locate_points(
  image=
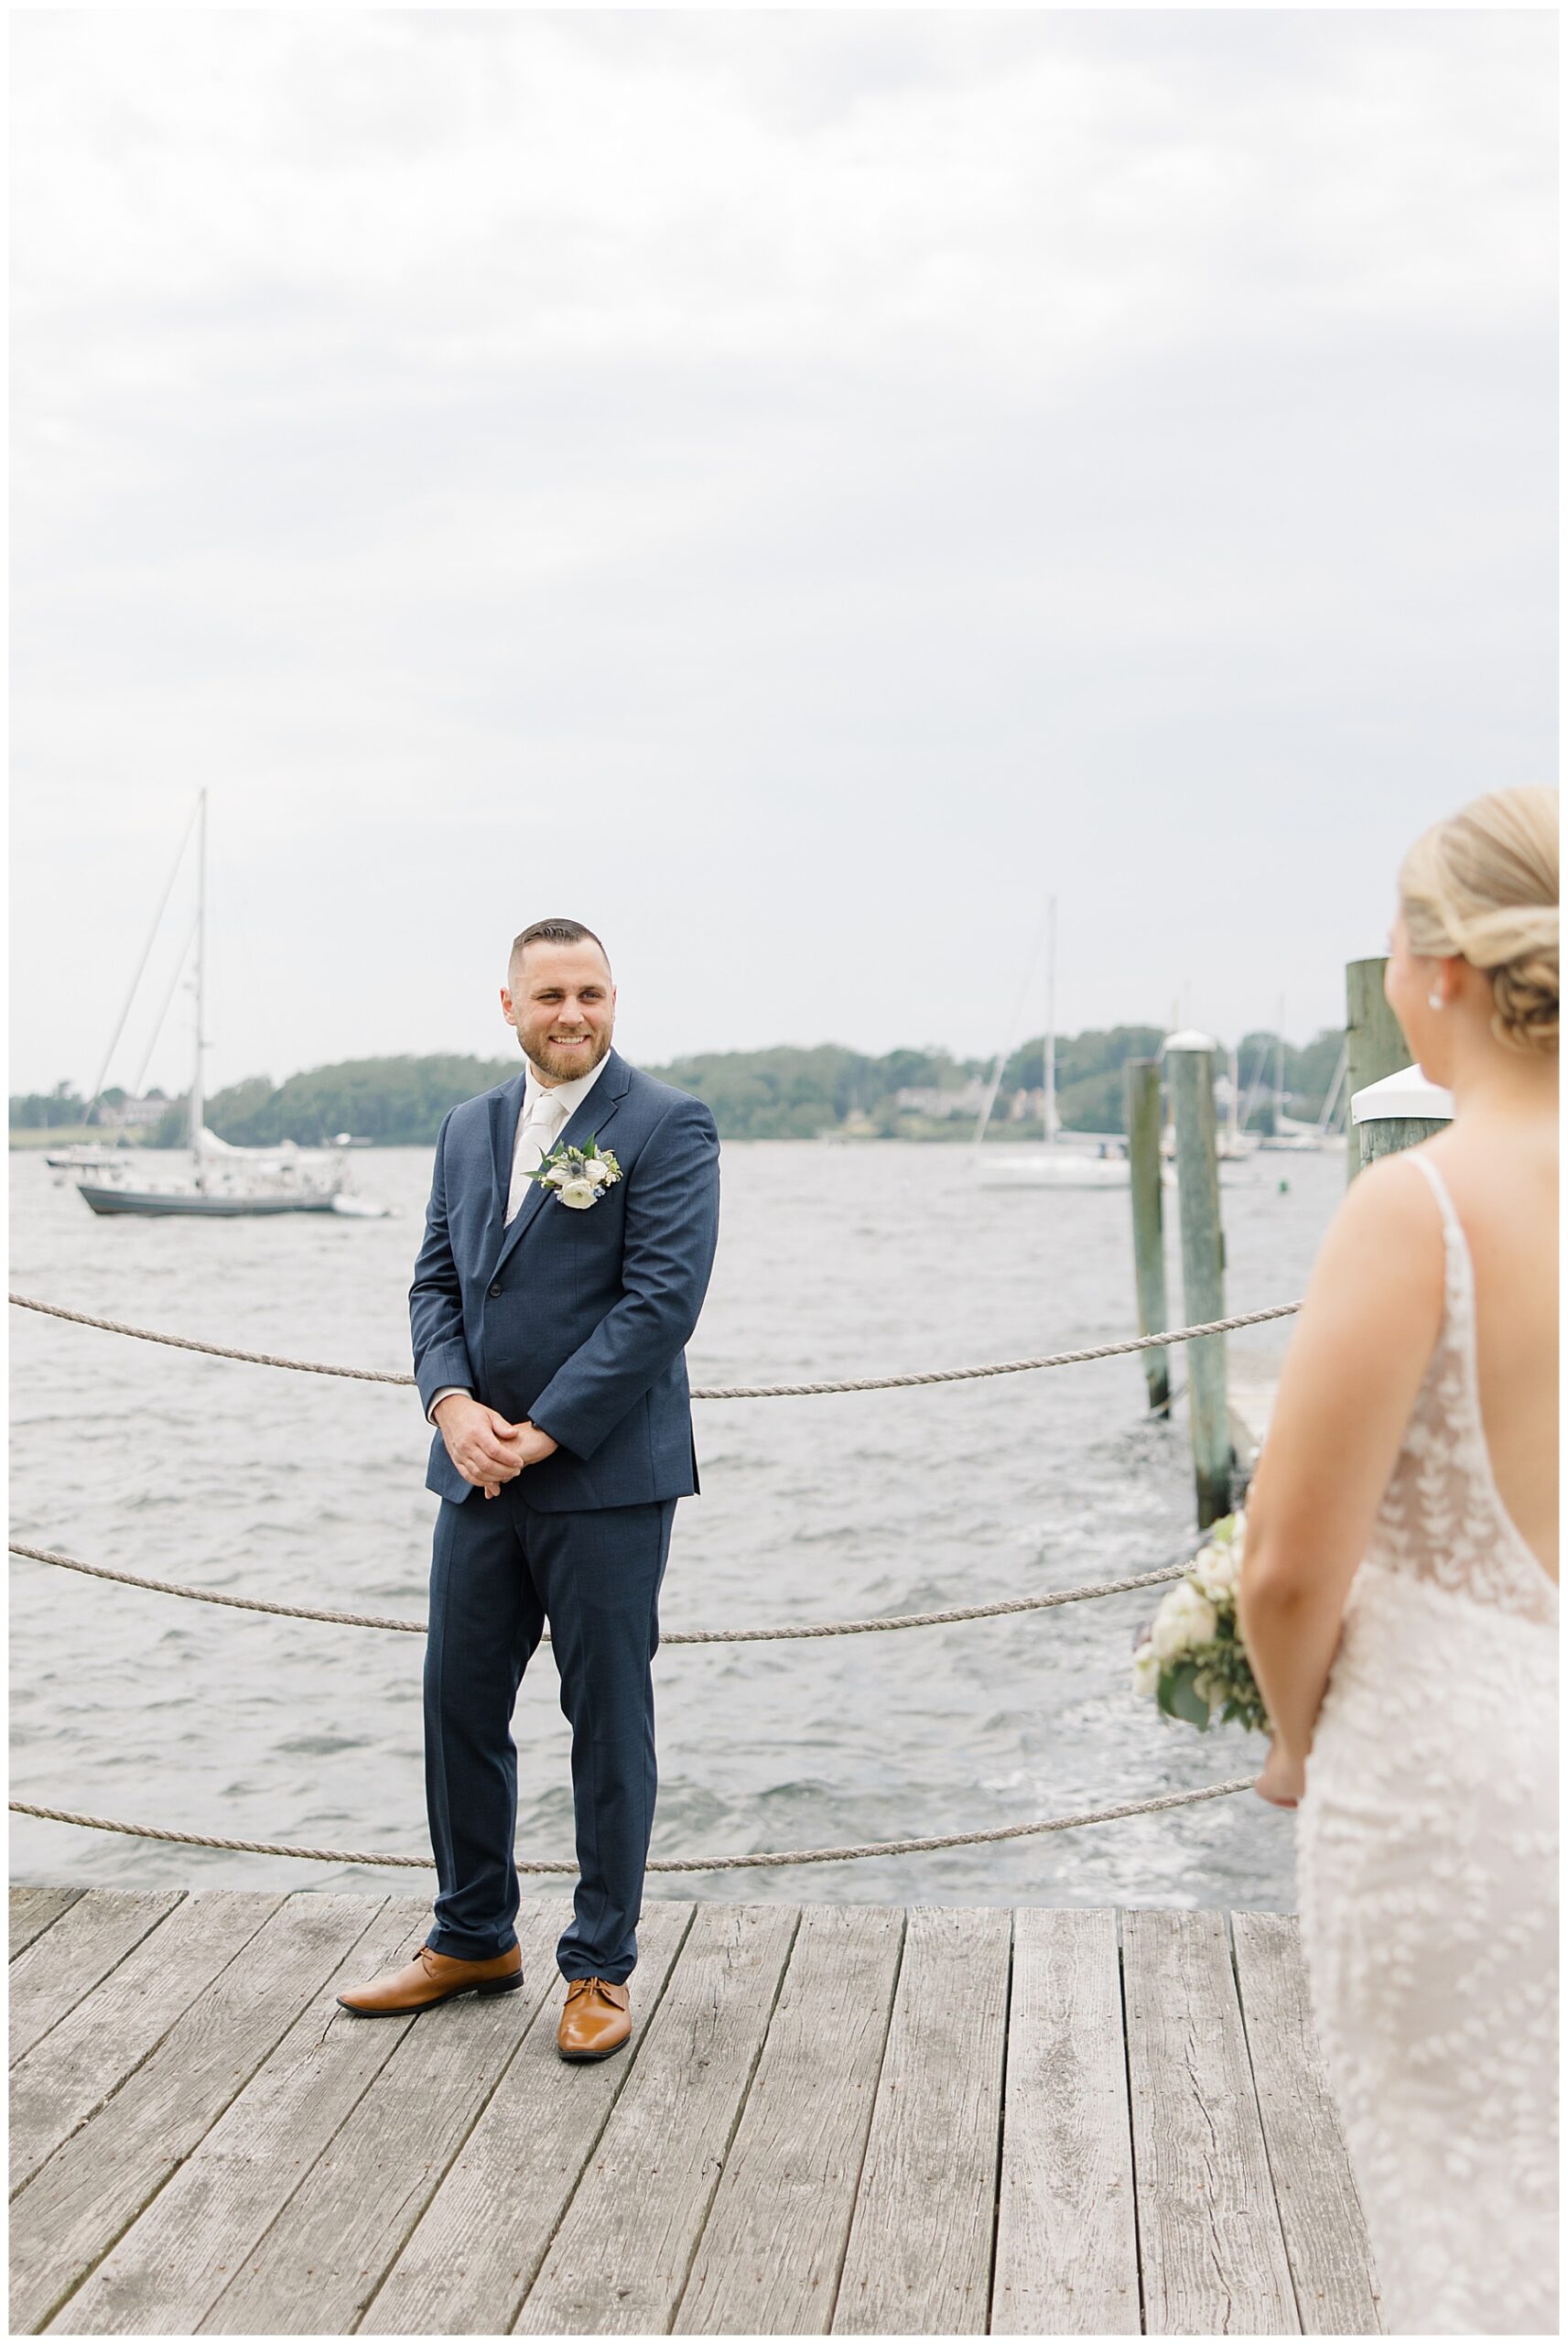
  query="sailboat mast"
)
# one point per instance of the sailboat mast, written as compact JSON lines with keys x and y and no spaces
{"x":197,"y":1091}
{"x":1235,"y":1102}
{"x":1279,"y":1069}
{"x":1050,"y":1108}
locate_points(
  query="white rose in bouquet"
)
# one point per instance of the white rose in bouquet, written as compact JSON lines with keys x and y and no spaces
{"x":1217,"y":1571}
{"x":1146,"y":1672}
{"x":578,"y":1193}
{"x":1184,"y":1620}
{"x":1217,"y":1567}
{"x":597,"y":1170}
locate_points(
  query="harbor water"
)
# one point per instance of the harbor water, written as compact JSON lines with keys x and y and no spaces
{"x":833,"y":1262}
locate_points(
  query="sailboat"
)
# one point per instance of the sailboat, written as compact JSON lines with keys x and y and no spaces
{"x":1289,"y":1135}
{"x":1053,"y":1166}
{"x":210,"y":1179}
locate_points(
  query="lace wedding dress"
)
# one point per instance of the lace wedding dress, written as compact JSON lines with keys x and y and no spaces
{"x":1427,"y":1872}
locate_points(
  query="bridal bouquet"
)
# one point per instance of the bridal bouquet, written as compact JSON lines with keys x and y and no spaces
{"x":1190,"y":1657}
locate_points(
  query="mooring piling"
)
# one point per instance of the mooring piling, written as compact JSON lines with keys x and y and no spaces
{"x":1189,"y":1059}
{"x":1397,"y":1113}
{"x":1374,"y":1045}
{"x":1142,"y":1078}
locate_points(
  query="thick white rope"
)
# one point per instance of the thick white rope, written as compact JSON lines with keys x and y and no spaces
{"x":675,"y":1636}
{"x":666,"y":1863}
{"x":700,"y":1392}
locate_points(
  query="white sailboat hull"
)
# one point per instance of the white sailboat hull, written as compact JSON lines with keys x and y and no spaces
{"x":161,"y":1203}
{"x":1067,"y":1169}
{"x":1057,"y":1169}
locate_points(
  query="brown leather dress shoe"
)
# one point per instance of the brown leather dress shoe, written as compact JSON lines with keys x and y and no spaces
{"x":596,"y":2021}
{"x":432,"y":1977}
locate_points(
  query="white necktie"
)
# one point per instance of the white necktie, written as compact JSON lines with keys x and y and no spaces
{"x":536,"y":1137}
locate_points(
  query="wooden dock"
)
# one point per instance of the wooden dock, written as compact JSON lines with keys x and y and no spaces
{"x":843,"y":2120}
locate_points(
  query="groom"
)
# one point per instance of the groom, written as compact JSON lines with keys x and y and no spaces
{"x":549,"y":1329}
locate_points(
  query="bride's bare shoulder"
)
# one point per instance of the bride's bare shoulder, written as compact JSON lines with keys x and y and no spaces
{"x":1381,"y":1266}
{"x":1385,"y":1244}
{"x":1392,"y":1200}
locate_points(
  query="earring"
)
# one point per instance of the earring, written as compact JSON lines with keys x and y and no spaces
{"x":1434,"y":1001}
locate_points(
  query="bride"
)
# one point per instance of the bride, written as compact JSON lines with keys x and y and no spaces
{"x":1399,"y":1600}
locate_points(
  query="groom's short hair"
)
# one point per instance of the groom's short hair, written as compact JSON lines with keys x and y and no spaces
{"x":552,"y":932}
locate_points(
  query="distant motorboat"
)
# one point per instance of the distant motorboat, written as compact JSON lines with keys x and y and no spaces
{"x":86,"y":1156}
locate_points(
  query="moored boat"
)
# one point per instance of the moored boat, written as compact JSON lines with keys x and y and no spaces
{"x":210,"y":1180}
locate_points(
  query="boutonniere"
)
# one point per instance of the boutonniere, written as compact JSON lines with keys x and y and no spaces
{"x":580,"y":1176}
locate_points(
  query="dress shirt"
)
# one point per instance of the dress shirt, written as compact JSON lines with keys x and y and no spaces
{"x":536,"y":1133}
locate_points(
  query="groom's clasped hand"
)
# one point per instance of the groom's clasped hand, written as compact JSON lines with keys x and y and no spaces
{"x":485,"y":1448}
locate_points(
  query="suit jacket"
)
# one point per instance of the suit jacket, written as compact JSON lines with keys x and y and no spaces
{"x":576,"y":1319}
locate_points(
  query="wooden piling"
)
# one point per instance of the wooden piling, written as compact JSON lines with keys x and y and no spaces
{"x":1390,"y":1135}
{"x":1401,"y":1111}
{"x":1189,"y":1060}
{"x":1142,"y":1078}
{"x":1375,"y":1044}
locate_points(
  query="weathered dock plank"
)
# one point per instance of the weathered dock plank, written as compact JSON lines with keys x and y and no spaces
{"x":919,"y":2257}
{"x":98,"y":2180}
{"x":1319,"y":2213}
{"x":33,"y":1910}
{"x":91,"y":1938}
{"x":771,"y":2253}
{"x":80,"y":2062}
{"x":1213,"y":2256}
{"x":619,"y":2259}
{"x":472,"y":2258}
{"x":1066,"y":2249}
{"x":824,"y":2118}
{"x":170,"y":2267}
{"x":325,"y":2255}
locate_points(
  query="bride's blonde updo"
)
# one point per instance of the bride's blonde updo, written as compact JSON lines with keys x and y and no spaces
{"x":1484,"y":885}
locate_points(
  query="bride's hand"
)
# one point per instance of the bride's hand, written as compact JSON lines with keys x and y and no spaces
{"x":1283,"y":1778}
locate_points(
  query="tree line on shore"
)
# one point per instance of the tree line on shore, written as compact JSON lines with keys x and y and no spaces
{"x":779,"y":1094}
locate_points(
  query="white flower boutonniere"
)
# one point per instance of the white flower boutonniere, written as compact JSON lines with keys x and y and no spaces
{"x":580,"y":1176}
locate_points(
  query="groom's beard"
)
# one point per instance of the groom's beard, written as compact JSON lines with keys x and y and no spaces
{"x":565,"y":1066}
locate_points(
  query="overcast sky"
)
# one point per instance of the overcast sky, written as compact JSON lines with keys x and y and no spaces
{"x":791,"y":490}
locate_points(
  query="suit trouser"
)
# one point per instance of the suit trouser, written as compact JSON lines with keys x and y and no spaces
{"x":499,"y":1570}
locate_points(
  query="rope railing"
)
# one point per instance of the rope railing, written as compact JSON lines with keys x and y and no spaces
{"x":807,"y":1630}
{"x":759,"y":1862}
{"x":700,"y":1392}
{"x":762,"y":1863}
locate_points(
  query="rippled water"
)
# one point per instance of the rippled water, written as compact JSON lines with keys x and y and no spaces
{"x":833,"y":1261}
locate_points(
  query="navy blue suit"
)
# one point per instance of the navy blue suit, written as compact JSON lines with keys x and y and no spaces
{"x":577,"y":1320}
